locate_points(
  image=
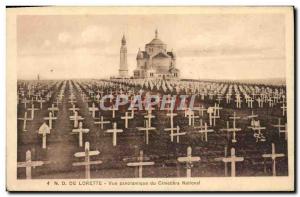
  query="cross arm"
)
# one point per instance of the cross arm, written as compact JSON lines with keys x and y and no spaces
{"x":141,"y":163}
{"x":91,"y":153}
{"x":84,"y":163}
{"x":31,"y":164}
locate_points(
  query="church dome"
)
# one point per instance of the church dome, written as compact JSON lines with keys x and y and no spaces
{"x":156,"y":41}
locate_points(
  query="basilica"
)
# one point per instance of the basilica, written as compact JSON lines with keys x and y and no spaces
{"x":154,"y":62}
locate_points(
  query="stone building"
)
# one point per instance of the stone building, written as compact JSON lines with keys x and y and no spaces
{"x":156,"y":61}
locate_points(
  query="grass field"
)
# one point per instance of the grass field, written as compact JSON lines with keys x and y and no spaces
{"x":61,"y":144}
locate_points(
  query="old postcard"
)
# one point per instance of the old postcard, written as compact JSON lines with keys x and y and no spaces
{"x":150,"y":99}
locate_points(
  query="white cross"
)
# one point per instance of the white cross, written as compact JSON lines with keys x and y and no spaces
{"x":232,"y":159}
{"x":234,"y":129}
{"x":234,"y":118}
{"x":273,"y":156}
{"x":126,"y":118}
{"x":172,"y":129}
{"x":217,"y":109}
{"x":32,"y":109}
{"x":50,"y":118}
{"x":53,"y":109}
{"x":177,"y":134}
{"x":149,"y":116}
{"x":25,"y":101}
{"x":219,"y":99}
{"x":190,"y":114}
{"x":80,"y":131}
{"x":238,"y":101}
{"x":252,"y":116}
{"x":250,"y":102}
{"x":140,"y":163}
{"x":28,"y":164}
{"x":279,"y":126}
{"x":225,"y":163}
{"x":189,"y":159}
{"x":74,"y":109}
{"x":271,"y":103}
{"x":86,"y":154}
{"x":171,"y":115}
{"x":76,"y":118}
{"x":102,"y":122}
{"x":205,"y":131}
{"x":93,"y":109}
{"x":146,"y":130}
{"x":228,"y":98}
{"x":132,"y":111}
{"x":25,"y":119}
{"x":285,"y":131}
{"x":216,"y":113}
{"x":44,"y":130}
{"x":201,"y":110}
{"x":260,"y":102}
{"x":210,"y":112}
{"x":284,"y":108}
{"x":41,"y":101}
{"x":114,"y":131}
{"x":113,"y":109}
{"x":193,"y":119}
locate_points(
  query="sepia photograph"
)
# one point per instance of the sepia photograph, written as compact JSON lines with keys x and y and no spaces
{"x":150,"y":99}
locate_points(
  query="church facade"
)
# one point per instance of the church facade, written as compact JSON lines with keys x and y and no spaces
{"x":156,"y":61}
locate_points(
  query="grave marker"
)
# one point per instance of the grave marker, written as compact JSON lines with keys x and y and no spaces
{"x":189,"y":159}
{"x":140,"y":163}
{"x":53,"y":109}
{"x":146,"y":130}
{"x":93,"y":109}
{"x":114,"y":130}
{"x":233,"y":159}
{"x":225,"y":163}
{"x":50,"y":118}
{"x":74,"y":109}
{"x":76,"y":119}
{"x":86,"y":154}
{"x":273,"y":156}
{"x":25,"y":119}
{"x":44,"y":130}
{"x":126,"y":118}
{"x":177,"y":134}
{"x":28,"y":164}
{"x":205,"y":131}
{"x":32,"y":109}
{"x":102,"y":122}
{"x":80,"y":132}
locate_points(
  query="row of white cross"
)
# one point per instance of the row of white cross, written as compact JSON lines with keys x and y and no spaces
{"x":188,"y":160}
{"x":203,"y":128}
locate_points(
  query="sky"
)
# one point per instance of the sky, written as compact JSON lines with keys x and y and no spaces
{"x":207,"y":46}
